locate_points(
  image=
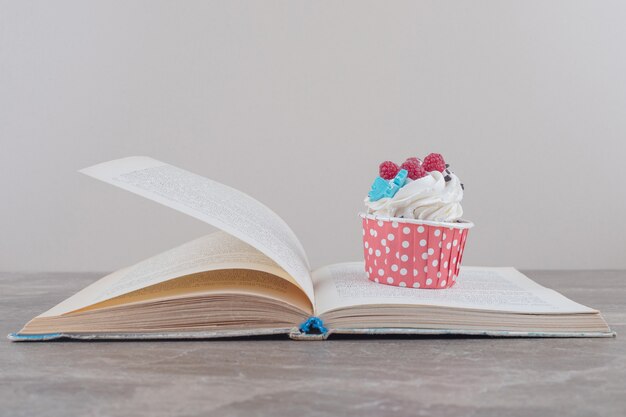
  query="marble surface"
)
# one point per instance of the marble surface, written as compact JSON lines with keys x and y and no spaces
{"x":390,"y":376}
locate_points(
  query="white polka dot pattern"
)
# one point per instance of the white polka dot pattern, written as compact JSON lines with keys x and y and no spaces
{"x":400,"y":251}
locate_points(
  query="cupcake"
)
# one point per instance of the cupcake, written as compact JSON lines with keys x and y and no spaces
{"x":413,"y":234}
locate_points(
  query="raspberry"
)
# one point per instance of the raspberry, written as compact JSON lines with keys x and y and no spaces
{"x":413,"y":158}
{"x":388,"y":170}
{"x":434,"y":162}
{"x":414,"y":167}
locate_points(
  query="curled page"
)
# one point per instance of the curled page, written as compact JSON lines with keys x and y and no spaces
{"x":214,"y":203}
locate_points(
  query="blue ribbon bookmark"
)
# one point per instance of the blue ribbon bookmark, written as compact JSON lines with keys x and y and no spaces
{"x":313,"y":323}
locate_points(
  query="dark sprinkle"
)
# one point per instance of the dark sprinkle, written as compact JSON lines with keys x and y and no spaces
{"x":447,"y":178}
{"x":447,"y":165}
{"x":462,"y":187}
{"x":448,"y":171}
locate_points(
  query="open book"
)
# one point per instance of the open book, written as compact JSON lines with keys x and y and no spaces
{"x":253,"y":278}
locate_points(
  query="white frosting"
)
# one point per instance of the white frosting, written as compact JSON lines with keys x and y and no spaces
{"x":427,"y":198}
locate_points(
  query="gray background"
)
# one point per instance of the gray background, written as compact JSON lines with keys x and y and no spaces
{"x":296,"y":103}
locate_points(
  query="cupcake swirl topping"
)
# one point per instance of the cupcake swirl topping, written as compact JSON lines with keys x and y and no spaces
{"x":430,"y":191}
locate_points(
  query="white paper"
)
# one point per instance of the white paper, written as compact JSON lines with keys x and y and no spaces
{"x":214,"y":203}
{"x":493,"y":289}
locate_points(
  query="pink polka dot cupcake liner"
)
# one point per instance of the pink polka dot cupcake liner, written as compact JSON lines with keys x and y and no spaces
{"x":413,"y":253}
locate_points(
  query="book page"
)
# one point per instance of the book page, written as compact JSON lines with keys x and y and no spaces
{"x":216,"y":251}
{"x":219,"y":282}
{"x":214,"y":203}
{"x":493,"y":289}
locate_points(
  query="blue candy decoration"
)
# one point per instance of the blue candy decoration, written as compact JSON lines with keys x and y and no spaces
{"x":400,"y":179}
{"x":378,"y":189}
{"x":382,"y":188}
